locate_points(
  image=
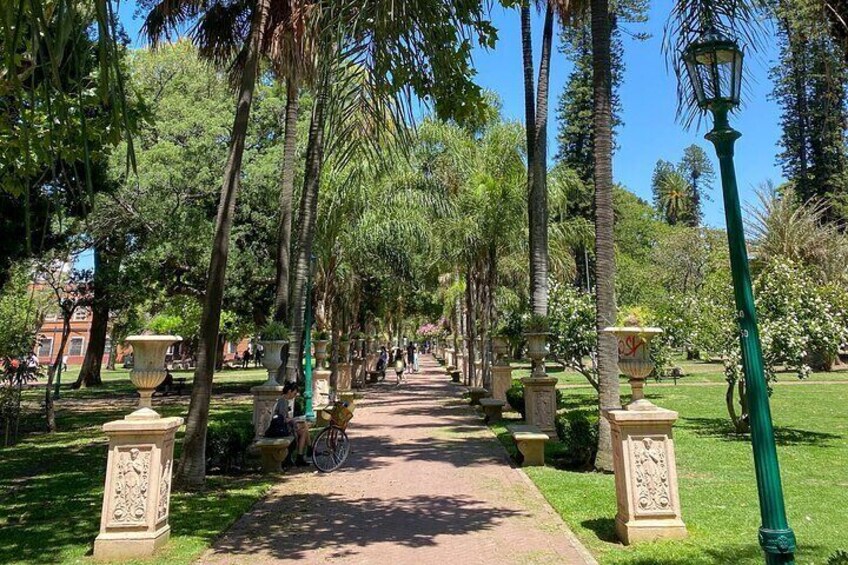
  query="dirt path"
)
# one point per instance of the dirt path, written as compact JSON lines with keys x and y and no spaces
{"x":425,"y":483}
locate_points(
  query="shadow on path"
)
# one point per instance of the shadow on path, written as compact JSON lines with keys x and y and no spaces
{"x":290,"y":526}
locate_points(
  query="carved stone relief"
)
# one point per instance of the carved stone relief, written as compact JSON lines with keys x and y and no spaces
{"x":164,"y":491}
{"x":650,"y":478}
{"x":131,"y":484}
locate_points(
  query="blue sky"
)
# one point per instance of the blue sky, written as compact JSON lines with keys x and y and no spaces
{"x":650,"y":131}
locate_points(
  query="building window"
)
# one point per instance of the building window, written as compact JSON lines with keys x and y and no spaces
{"x":108,"y":347}
{"x":75,"y":349}
{"x":80,"y":314}
{"x":51,"y":317}
{"x":232,"y":348}
{"x":45,"y":348}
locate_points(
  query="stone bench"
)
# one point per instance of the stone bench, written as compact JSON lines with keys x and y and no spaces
{"x":492,"y":409}
{"x":376,"y":376}
{"x":273,"y":451}
{"x":530,"y":441}
{"x":476,"y":393}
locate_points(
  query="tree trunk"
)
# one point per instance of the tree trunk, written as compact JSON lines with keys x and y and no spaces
{"x":284,"y":230}
{"x":306,"y":233}
{"x":470,"y":328}
{"x":539,"y":184}
{"x":56,"y":367}
{"x":113,"y":353}
{"x":89,"y":374}
{"x":191,"y":471}
{"x":604,"y":220}
{"x":530,"y":130}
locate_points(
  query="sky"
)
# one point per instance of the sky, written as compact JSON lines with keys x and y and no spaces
{"x":648,"y":97}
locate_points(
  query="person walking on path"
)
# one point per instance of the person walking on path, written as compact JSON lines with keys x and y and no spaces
{"x":410,"y":356}
{"x":399,"y":365}
{"x":415,"y":353}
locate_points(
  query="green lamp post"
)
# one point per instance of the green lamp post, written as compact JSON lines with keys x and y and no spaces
{"x":714,"y":65}
{"x":307,"y":344}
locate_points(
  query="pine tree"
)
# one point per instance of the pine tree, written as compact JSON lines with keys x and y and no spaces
{"x":810,"y":86}
{"x":699,"y":173}
{"x":574,"y":109}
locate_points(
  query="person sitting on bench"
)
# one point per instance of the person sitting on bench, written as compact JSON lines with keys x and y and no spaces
{"x":283,"y":422}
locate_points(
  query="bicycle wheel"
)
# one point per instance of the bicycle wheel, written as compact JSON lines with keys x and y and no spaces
{"x":330,"y":449}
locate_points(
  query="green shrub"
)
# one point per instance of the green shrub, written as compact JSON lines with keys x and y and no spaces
{"x":578,"y":431}
{"x":227,"y":440}
{"x":515,"y":397}
{"x":275,"y":331}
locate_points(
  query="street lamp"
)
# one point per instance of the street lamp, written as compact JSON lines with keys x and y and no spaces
{"x":714,"y":65}
{"x":307,"y":344}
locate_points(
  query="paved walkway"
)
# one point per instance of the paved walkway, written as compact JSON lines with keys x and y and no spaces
{"x":425,"y":482}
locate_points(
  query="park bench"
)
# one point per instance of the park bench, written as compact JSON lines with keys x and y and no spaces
{"x":273,"y":451}
{"x":476,"y":393}
{"x":530,"y":441}
{"x":675,"y":374}
{"x":376,"y":376}
{"x":492,"y":409}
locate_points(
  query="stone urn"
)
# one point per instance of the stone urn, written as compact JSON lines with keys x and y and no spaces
{"x":148,"y":370}
{"x":320,"y":352}
{"x":344,"y":350}
{"x":537,"y":350}
{"x":272,"y":359}
{"x":634,"y":359}
{"x":500,"y":347}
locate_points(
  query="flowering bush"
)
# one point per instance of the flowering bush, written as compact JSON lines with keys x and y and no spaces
{"x":429,"y":331}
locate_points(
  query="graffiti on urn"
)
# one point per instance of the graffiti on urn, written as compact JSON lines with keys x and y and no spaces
{"x":131,"y":487}
{"x":651,"y":476}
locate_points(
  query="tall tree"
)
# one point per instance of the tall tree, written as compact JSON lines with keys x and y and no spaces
{"x":608,"y":386}
{"x":191,"y":471}
{"x":699,"y":173}
{"x":536,"y":118}
{"x":575,"y":132}
{"x":810,"y":85}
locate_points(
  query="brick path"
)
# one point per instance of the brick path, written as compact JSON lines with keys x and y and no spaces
{"x":425,"y":482}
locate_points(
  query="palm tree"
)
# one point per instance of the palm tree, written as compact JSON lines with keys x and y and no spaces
{"x":292,"y":54}
{"x":191,"y":471}
{"x":674,"y":198}
{"x":608,"y":393}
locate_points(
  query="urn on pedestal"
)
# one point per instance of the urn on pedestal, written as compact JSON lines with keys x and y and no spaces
{"x":643,"y":450}
{"x":539,"y":389}
{"x":148,"y":370}
{"x":137,"y":494}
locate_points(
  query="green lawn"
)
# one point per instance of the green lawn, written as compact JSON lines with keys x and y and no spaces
{"x":716,"y":478}
{"x":696,"y":372}
{"x":51,"y":485}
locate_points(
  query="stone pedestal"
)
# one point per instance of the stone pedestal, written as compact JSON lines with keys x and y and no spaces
{"x":449,"y":357}
{"x":540,"y":402}
{"x":265,"y":396}
{"x":134,"y":518}
{"x":343,"y":379}
{"x":460,"y":364}
{"x":357,"y":379}
{"x":501,"y":381}
{"x":320,"y":387}
{"x":645,"y":474}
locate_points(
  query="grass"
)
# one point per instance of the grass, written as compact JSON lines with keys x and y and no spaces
{"x":716,"y":479}
{"x":696,"y":372}
{"x":51,"y":485}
